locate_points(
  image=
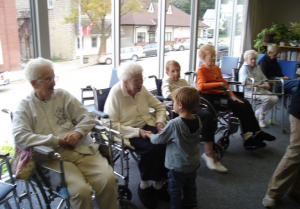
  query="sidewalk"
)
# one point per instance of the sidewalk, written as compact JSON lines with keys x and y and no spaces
{"x":17,"y":76}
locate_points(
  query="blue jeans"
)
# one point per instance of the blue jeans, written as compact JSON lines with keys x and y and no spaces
{"x":182,"y":182}
{"x":290,"y":86}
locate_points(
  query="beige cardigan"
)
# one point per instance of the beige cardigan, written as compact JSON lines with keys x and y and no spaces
{"x":122,"y":108}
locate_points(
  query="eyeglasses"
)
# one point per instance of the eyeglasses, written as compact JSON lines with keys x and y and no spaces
{"x":50,"y":80}
{"x":138,"y":81}
{"x":211,"y":56}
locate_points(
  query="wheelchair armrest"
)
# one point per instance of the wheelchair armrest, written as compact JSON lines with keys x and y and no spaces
{"x":220,"y":88}
{"x":163,"y":98}
{"x":189,"y":73}
{"x":98,"y":128}
{"x":43,"y":150}
{"x":4,"y":154}
{"x":234,"y":83}
{"x":100,"y":114}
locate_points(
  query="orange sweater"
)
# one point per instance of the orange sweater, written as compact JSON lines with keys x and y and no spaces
{"x":207,"y":79}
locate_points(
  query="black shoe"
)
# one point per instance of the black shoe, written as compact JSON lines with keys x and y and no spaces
{"x":147,"y":197}
{"x":162,"y":193}
{"x":252,"y":144}
{"x":261,"y":136}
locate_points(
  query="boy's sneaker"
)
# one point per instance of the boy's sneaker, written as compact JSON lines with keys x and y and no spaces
{"x":252,"y":144}
{"x":261,"y":136}
{"x":209,"y":162}
{"x":269,"y":202}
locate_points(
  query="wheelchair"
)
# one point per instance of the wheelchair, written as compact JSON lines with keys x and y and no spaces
{"x":46,"y":185}
{"x":217,"y":147}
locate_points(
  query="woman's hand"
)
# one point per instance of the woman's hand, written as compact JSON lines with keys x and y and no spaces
{"x":144,"y":133}
{"x":70,"y":139}
{"x":159,"y":127}
{"x":264,"y":86}
{"x":234,"y":98}
{"x":149,"y":134}
{"x":224,"y":85}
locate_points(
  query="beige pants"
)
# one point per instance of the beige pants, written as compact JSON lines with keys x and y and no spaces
{"x":287,"y":173}
{"x":85,"y":174}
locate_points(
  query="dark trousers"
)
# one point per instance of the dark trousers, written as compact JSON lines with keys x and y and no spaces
{"x":152,"y":162}
{"x":290,"y":86}
{"x":186,"y":183}
{"x":243,"y":111}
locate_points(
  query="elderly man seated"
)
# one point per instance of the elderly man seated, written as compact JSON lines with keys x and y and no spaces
{"x":54,"y":118}
{"x":272,"y":69}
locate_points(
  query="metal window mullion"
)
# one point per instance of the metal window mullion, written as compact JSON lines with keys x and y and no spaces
{"x":115,"y":33}
{"x":233,"y":25}
{"x":194,"y":34}
{"x":217,"y":23}
{"x":161,"y":37}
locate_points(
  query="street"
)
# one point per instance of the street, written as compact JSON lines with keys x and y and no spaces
{"x":73,"y":80}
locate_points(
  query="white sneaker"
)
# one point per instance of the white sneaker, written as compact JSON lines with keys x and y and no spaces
{"x":257,"y":114}
{"x":220,"y":168}
{"x":209,"y":162}
{"x":269,"y":202}
{"x":262,"y":122}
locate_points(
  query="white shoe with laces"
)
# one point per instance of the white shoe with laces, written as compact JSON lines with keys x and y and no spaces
{"x":220,"y":168}
{"x":269,"y":202}
{"x":209,"y":162}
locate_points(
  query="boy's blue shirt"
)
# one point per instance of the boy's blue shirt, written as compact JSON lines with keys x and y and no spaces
{"x":182,"y":153}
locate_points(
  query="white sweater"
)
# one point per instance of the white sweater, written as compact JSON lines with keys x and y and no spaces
{"x":169,"y":86}
{"x":36,"y":122}
{"x":122,"y":109}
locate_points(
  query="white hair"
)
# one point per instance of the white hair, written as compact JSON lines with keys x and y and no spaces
{"x":273,"y":48}
{"x":33,"y":69}
{"x":247,"y":53}
{"x":128,"y":70}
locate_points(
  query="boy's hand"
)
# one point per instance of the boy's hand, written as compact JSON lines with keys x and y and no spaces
{"x":159,"y":127}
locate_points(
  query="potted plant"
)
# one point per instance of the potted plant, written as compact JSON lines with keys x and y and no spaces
{"x":281,"y":34}
{"x":264,"y":37}
{"x":85,"y":60}
{"x":294,"y":34}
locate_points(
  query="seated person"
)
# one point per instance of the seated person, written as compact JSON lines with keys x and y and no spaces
{"x":272,"y":69}
{"x":128,"y":108}
{"x":172,"y":83}
{"x":209,"y":77}
{"x":251,"y":69}
{"x":54,"y":118}
{"x":182,"y":156}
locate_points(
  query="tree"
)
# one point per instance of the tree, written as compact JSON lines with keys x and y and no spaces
{"x":97,"y":10}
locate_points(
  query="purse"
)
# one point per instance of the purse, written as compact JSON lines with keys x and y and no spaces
{"x":22,"y":164}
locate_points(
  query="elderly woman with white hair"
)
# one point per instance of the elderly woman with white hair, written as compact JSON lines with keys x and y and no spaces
{"x":128,"y":106}
{"x":251,"y":69}
{"x":54,"y":118}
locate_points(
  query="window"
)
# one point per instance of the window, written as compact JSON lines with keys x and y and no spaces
{"x":168,"y":36}
{"x":78,"y":43}
{"x":141,"y":38}
{"x":94,"y":42}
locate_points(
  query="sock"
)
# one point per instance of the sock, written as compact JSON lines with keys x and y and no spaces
{"x":247,"y":135}
{"x":157,"y":184}
{"x":144,"y":184}
{"x":255,"y":133}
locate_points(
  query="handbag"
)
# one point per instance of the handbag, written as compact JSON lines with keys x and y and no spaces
{"x":22,"y":164}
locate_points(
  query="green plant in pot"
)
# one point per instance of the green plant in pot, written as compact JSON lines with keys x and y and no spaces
{"x":294,"y":34}
{"x":264,"y":37}
{"x":281,"y":34}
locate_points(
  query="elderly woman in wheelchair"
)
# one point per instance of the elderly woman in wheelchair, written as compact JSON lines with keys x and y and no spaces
{"x":251,"y":69}
{"x":54,"y":118}
{"x":169,"y":85}
{"x":209,"y":77}
{"x":128,"y":106}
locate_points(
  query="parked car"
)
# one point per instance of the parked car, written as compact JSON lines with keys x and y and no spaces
{"x":222,"y":51}
{"x":133,"y":53}
{"x":182,"y":45}
{"x":202,"y":41}
{"x":4,"y":80}
{"x":151,"y":49}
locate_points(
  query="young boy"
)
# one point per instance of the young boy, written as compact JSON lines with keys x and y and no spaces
{"x":182,"y":155}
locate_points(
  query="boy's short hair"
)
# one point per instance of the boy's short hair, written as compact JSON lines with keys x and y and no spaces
{"x":172,"y":62}
{"x":188,"y":96}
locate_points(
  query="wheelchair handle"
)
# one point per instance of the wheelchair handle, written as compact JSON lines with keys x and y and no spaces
{"x":152,"y":76}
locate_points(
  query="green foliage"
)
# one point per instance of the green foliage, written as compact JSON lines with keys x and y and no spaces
{"x":58,"y":59}
{"x":294,"y":32}
{"x":6,"y":148}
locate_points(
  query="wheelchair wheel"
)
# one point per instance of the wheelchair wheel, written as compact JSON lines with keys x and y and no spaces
{"x":126,"y":204}
{"x":219,"y":151}
{"x":135,"y":156}
{"x":29,"y":195}
{"x":124,"y":192}
{"x":207,"y":105}
{"x":224,"y":142}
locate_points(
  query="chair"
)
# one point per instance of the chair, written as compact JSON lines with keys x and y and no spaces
{"x":7,"y":183}
{"x":260,"y":57}
{"x":289,"y":68}
{"x":228,"y":63}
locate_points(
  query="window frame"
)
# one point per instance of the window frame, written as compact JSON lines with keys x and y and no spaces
{"x":139,"y":37}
